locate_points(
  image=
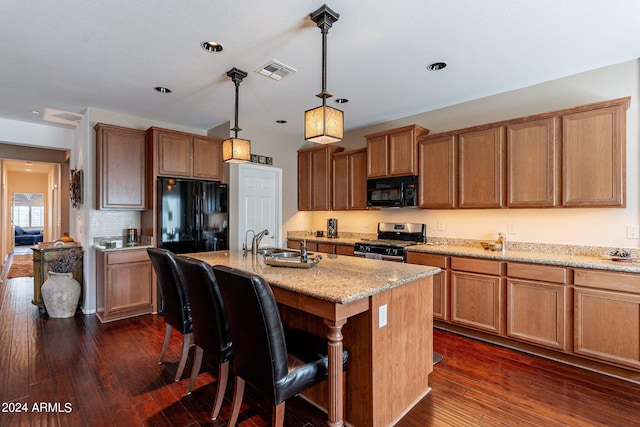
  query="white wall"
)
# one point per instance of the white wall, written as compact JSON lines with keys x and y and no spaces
{"x":592,"y":227}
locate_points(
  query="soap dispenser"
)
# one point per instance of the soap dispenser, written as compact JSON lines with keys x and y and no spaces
{"x":303,"y":251}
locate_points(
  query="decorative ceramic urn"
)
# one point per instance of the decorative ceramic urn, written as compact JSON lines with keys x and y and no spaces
{"x":60,"y":293}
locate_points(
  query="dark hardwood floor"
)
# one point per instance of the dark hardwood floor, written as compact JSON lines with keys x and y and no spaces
{"x":90,"y":374}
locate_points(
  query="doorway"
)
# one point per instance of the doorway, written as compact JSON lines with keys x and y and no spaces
{"x":48,"y":175}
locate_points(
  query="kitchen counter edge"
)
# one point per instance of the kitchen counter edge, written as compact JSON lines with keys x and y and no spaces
{"x":576,"y":261}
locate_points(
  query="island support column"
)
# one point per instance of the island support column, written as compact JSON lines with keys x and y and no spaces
{"x":335,"y":347}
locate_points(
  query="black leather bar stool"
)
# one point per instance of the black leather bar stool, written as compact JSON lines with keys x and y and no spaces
{"x":177,"y":312}
{"x":260,"y":344}
{"x":210,"y":325}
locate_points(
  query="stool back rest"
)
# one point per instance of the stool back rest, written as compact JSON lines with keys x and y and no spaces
{"x":259,"y":348}
{"x":177,"y":311}
{"x":210,"y":324}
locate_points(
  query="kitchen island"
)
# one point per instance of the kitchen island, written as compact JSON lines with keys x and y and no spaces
{"x":382,"y":314}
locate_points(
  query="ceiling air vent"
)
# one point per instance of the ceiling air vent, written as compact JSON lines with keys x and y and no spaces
{"x":276,"y":70}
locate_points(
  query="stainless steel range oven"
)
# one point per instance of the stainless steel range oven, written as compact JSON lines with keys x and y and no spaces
{"x":392,"y":240}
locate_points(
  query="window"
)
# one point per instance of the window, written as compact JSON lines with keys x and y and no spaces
{"x":28,"y":210}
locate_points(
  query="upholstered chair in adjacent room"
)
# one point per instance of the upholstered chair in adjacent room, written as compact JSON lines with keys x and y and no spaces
{"x":210,"y":325}
{"x":176,"y":309}
{"x":260,"y":344}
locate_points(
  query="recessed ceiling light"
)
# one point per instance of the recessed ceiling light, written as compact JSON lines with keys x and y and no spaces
{"x":436,"y":66}
{"x":342,"y":100}
{"x":211,"y":46}
{"x":281,"y":122}
{"x":162,"y":89}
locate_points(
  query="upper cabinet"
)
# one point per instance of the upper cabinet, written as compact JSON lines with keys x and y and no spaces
{"x":120,"y":158}
{"x":567,"y":158}
{"x":179,"y":154}
{"x":315,"y":176}
{"x":594,"y":156}
{"x":533,"y":163}
{"x":481,"y":168}
{"x":350,"y":180}
{"x":394,"y":152}
{"x":438,"y":173}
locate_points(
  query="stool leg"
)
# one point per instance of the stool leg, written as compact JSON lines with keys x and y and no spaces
{"x":223,"y":377}
{"x":197,"y":362}
{"x":186,"y":343}
{"x":238,"y":393}
{"x":277,"y":417}
{"x":165,"y":345}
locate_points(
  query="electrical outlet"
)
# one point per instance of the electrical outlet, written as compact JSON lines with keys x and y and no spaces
{"x":633,"y":232}
{"x":382,"y":316}
{"x":440,"y":225}
{"x":512,"y":228}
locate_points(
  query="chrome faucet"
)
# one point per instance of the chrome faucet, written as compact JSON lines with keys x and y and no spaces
{"x":244,"y":247}
{"x":257,"y":238}
{"x":255,"y":241}
{"x":502,"y":239}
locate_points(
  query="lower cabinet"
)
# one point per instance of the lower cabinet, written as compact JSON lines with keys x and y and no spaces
{"x":440,"y":282}
{"x":477,"y":294}
{"x":538,"y":305}
{"x":327,"y":248}
{"x":123,"y":284}
{"x":607,"y":317}
{"x":592,"y":314}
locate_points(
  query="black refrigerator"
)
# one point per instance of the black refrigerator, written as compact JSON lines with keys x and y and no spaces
{"x":192,"y":215}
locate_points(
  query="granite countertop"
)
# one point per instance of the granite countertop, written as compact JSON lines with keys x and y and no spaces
{"x":100,"y":243}
{"x":336,"y":278}
{"x":541,"y":256}
{"x":125,"y":247}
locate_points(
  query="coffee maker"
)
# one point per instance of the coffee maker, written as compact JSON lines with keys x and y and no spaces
{"x":332,"y":228}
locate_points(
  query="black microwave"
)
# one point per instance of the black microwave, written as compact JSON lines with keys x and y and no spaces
{"x":398,"y":191}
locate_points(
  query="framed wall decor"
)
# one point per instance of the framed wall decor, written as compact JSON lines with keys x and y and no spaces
{"x":75,"y":187}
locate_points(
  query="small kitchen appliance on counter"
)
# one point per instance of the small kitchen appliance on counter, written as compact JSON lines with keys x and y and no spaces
{"x":332,"y":228}
{"x":393,"y":238}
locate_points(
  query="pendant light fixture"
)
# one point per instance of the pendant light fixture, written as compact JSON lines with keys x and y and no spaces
{"x":324,"y":124}
{"x":236,"y":150}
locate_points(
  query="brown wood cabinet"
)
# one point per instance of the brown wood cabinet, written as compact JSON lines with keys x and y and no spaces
{"x":594,"y":157}
{"x":568,"y":158}
{"x":607,"y":316}
{"x":123,"y":284}
{"x":438,"y":173}
{"x":538,"y":306}
{"x":179,"y":154}
{"x":533,"y":164}
{"x":327,"y":248}
{"x":315,"y":176}
{"x":394,"y":152}
{"x":440,"y":282}
{"x":477,"y":294}
{"x":121,"y":161}
{"x":350,"y":180}
{"x":481,"y":168}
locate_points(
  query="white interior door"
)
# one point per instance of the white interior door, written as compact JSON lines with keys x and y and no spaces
{"x":255,"y":203}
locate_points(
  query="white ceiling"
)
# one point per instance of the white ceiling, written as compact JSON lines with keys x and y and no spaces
{"x":72,"y":54}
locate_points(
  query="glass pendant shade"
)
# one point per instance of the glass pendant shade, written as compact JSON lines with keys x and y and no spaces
{"x":323,"y":125}
{"x":236,"y":150}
